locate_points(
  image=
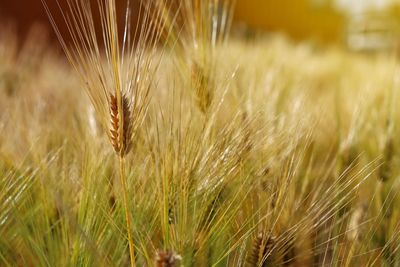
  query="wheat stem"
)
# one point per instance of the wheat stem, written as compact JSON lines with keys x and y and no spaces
{"x":126,"y":208}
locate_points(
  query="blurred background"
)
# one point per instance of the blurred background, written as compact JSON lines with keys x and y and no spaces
{"x":367,"y":25}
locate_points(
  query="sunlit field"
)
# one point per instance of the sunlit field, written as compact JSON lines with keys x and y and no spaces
{"x":183,"y":145}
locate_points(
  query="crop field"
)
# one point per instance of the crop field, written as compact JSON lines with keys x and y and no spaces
{"x":179,"y":144}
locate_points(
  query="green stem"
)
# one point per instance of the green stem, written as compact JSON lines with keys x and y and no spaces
{"x":126,"y":207}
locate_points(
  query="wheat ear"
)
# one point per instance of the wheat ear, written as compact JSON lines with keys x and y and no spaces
{"x":167,"y":259}
{"x":117,"y":78}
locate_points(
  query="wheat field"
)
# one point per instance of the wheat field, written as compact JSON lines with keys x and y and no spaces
{"x":229,"y":152}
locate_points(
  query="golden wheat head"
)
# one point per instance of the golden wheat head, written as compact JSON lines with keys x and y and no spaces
{"x":167,"y":259}
{"x":117,"y":67}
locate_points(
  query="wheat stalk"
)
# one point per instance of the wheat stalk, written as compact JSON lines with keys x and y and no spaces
{"x":117,"y":78}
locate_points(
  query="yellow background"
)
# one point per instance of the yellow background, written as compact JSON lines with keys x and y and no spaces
{"x":300,"y":19}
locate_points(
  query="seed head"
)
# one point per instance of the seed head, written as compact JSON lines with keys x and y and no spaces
{"x":167,"y":259}
{"x":120,"y":134}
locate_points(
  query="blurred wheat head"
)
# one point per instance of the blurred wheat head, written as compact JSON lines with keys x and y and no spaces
{"x":198,"y":29}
